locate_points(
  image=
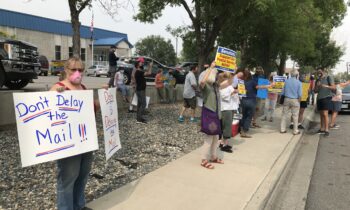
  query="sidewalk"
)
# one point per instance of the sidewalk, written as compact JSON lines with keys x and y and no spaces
{"x":244,"y":182}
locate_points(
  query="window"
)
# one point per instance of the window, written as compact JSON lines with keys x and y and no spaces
{"x":82,"y":54}
{"x":70,"y":52}
{"x":58,"y":52}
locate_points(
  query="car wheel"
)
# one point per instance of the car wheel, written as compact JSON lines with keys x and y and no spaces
{"x":45,"y":74}
{"x":16,"y":84}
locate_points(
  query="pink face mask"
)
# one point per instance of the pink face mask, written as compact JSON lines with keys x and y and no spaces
{"x":75,"y":78}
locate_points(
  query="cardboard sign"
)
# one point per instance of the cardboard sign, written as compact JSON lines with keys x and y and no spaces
{"x":262,"y":93}
{"x":109,"y":111}
{"x":241,"y":88}
{"x":54,"y":125}
{"x":279,"y":84}
{"x":225,"y":59}
{"x":305,"y":91}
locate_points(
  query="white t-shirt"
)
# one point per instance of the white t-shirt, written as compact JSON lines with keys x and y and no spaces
{"x":119,"y":78}
{"x":190,"y":80}
{"x":229,"y":101}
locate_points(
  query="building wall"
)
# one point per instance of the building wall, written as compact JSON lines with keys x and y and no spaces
{"x":46,"y":42}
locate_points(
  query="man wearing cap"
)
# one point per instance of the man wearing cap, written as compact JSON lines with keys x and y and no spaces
{"x":140,"y":81}
{"x":112,"y":65}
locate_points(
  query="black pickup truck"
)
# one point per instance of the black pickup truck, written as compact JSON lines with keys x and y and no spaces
{"x":18,"y":63}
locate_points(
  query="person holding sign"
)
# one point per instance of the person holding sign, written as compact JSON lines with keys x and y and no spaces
{"x":72,"y":172}
{"x":260,"y":100}
{"x":211,"y":115}
{"x":249,"y":101}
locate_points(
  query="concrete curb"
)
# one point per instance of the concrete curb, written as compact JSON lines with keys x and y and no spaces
{"x":265,"y":190}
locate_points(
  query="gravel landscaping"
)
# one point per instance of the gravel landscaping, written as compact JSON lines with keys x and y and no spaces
{"x":144,"y":149}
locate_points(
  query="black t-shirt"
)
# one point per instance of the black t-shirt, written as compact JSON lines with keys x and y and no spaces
{"x":112,"y":59}
{"x":140,"y":80}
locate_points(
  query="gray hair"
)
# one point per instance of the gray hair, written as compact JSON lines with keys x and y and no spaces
{"x":294,"y":73}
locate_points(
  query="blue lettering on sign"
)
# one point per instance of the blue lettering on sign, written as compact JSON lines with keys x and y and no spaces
{"x":70,"y":102}
{"x":227,"y":51}
{"x":53,"y":138}
{"x":24,"y":109}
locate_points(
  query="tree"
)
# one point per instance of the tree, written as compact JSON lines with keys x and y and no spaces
{"x":207,"y":17}
{"x":76,"y":7}
{"x":285,"y":28}
{"x":158,"y":48}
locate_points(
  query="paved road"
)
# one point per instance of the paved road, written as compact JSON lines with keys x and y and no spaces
{"x":330,"y":182}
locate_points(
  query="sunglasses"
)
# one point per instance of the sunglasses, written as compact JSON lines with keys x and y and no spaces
{"x":80,"y":70}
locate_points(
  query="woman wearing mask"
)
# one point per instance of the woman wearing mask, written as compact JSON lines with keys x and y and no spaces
{"x":211,"y":103}
{"x":72,"y":172}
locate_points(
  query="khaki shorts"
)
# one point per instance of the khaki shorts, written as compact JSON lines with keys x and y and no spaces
{"x":190,"y":103}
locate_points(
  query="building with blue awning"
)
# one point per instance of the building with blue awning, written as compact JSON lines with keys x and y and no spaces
{"x":54,"y":38}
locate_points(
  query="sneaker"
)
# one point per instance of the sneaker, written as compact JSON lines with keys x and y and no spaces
{"x":335,"y":126}
{"x":291,"y":126}
{"x":326,"y":134}
{"x":131,"y":111}
{"x":264,"y":119}
{"x":300,"y":126}
{"x":320,"y":132}
{"x":141,"y":121}
{"x":181,"y":119}
{"x":226,"y":149}
{"x":193,"y":120}
{"x":271,"y":120}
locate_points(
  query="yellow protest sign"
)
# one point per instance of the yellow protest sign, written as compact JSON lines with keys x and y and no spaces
{"x":241,"y":88}
{"x":305,"y":91}
{"x":225,"y":59}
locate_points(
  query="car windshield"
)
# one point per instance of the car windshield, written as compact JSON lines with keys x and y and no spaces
{"x":346,"y":89}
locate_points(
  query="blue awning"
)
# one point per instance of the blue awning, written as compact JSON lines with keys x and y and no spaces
{"x":111,"y":41}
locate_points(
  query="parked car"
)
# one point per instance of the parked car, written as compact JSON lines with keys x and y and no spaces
{"x":186,"y":66}
{"x":180,"y":78}
{"x":57,"y":66}
{"x":44,"y":70}
{"x":97,"y":70}
{"x":18,"y":63}
{"x":346,"y":99}
{"x":123,"y":64}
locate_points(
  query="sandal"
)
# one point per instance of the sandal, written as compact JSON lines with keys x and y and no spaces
{"x":207,"y":165}
{"x":217,"y":160}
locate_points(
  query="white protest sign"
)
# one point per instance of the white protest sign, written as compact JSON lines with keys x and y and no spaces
{"x":54,"y":125}
{"x":134,"y":100}
{"x":109,"y":112}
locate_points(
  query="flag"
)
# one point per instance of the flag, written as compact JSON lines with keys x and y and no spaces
{"x":92,"y":27}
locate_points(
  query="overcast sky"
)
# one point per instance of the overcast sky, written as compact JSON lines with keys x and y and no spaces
{"x":59,"y":10}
